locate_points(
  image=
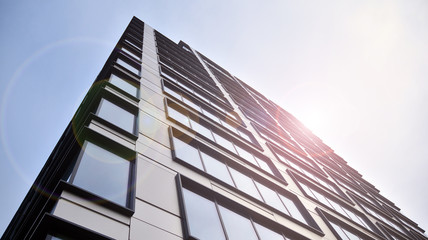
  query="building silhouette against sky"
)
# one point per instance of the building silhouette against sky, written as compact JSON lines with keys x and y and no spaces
{"x":169,"y":145}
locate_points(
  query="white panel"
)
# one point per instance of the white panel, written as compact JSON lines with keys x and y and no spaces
{"x":156,"y":185}
{"x":153,"y":97}
{"x":92,"y":220}
{"x":154,"y":129}
{"x":158,"y":217}
{"x":143,"y":230}
{"x":95,"y":207}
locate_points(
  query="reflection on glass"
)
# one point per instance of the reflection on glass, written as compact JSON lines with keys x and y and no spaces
{"x":202,"y":216}
{"x":291,"y":206}
{"x":131,"y":53}
{"x":191,"y":104}
{"x":216,"y":168}
{"x":237,"y":226}
{"x":271,"y":197}
{"x":103,"y":173}
{"x":245,"y":136}
{"x":178,"y":116}
{"x":343,"y":233}
{"x":187,"y":153}
{"x":246,"y":155}
{"x":201,"y":130}
{"x":224,"y":142}
{"x":128,"y":66}
{"x":245,"y":184}
{"x":267,"y":234}
{"x":116,"y":115}
{"x":172,"y":92}
{"x":123,"y":84}
{"x":263,"y":165}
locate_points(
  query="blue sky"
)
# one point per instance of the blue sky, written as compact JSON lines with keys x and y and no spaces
{"x":353,"y":71}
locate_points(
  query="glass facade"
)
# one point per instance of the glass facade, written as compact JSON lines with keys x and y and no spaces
{"x":116,"y":115}
{"x":212,"y":158}
{"x":103,"y":173}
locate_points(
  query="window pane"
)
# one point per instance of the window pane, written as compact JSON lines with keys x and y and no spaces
{"x":237,"y":226}
{"x":131,"y":53}
{"x":172,"y":92}
{"x":245,"y":184}
{"x":216,"y":168}
{"x":178,"y":116}
{"x":339,"y":231}
{"x":224,"y":142}
{"x":210,"y":115}
{"x":291,"y":206}
{"x":133,"y":44}
{"x":263,"y":165}
{"x":117,"y":115}
{"x":95,"y":164}
{"x":228,"y":126}
{"x":191,"y":104}
{"x":187,"y":153}
{"x":128,"y":66}
{"x":245,"y":136}
{"x":124,"y":85}
{"x":201,"y":129}
{"x":246,"y":155}
{"x":202,"y":217}
{"x":271,"y":198}
{"x":267,"y":234}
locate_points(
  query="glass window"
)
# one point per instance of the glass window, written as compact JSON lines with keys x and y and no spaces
{"x":116,"y":115}
{"x":245,"y":136}
{"x":246,"y":155}
{"x":211,"y":116}
{"x":245,"y":184}
{"x":271,"y":198}
{"x":216,"y":168}
{"x":133,"y":44}
{"x":263,"y":165}
{"x":201,"y":129}
{"x":224,"y":142}
{"x":128,"y":66}
{"x":202,"y":216}
{"x":124,"y":85}
{"x":228,"y":126}
{"x":187,"y":153}
{"x":291,"y":206}
{"x":178,"y":116}
{"x":103,"y":173}
{"x":267,"y":234}
{"x":344,"y":233}
{"x":237,"y":226}
{"x":191,"y":104}
{"x":131,"y":53}
{"x":172,"y":92}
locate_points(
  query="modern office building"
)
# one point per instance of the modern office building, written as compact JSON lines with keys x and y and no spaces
{"x":169,"y":145}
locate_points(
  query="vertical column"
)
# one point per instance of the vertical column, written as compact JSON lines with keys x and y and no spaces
{"x":156,"y":205}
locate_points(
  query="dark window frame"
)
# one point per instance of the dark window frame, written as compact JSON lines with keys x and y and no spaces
{"x":115,"y":148}
{"x":339,"y":201}
{"x":120,"y":102}
{"x":212,"y":127}
{"x":127,"y":79}
{"x":187,"y":183}
{"x":297,"y":178}
{"x":309,"y":167}
{"x":362,"y":203}
{"x":310,"y":222}
{"x":129,"y":60}
{"x":326,"y":217}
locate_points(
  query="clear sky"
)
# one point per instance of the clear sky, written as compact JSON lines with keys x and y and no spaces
{"x":355,"y":72}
